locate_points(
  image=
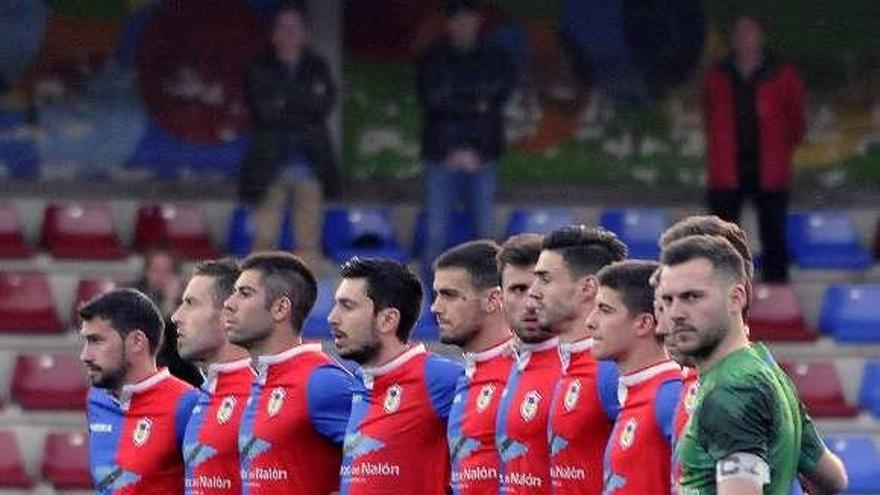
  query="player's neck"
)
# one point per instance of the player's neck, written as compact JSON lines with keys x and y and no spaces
{"x":735,"y":340}
{"x":575,"y":329}
{"x":280,"y":340}
{"x":389,"y":352}
{"x":641,"y":357}
{"x":229,"y":353}
{"x":136,"y":374}
{"x":494,"y":333}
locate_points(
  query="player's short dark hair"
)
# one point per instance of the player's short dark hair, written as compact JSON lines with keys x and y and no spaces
{"x":585,"y":250}
{"x":224,"y":271}
{"x":712,"y":225}
{"x":717,"y":250}
{"x":389,"y":284}
{"x":127,"y":310}
{"x":521,"y":251}
{"x":285,"y":275}
{"x":631,"y":279}
{"x":477,"y":258}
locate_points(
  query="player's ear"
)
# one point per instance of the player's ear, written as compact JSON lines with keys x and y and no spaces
{"x":492,"y":300}
{"x":388,"y":320}
{"x":738,"y":297}
{"x":589,"y":287}
{"x":281,"y":308}
{"x":644,"y":325}
{"x":138,"y":342}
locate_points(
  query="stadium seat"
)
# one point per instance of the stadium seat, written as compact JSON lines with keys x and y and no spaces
{"x":86,"y":289}
{"x":859,"y":455}
{"x":12,"y":243}
{"x":869,"y":391}
{"x":81,"y":231}
{"x":775,"y":314}
{"x":49,"y":381}
{"x":426,"y":329}
{"x":26,"y":304}
{"x":66,"y":460}
{"x":639,"y":228}
{"x":539,"y":220}
{"x":181,"y":227}
{"x":360,"y":231}
{"x":818,"y":385}
{"x":316,"y":326}
{"x":12,"y":471}
{"x":825,"y":240}
{"x":461,"y":229}
{"x":851,"y":313}
{"x":240,"y":235}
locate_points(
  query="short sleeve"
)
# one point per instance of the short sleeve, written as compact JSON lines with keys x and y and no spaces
{"x":608,"y":378}
{"x":812,"y":446}
{"x":185,"y":406}
{"x":329,"y":401}
{"x":665,"y":405}
{"x":441,"y":377}
{"x":735,"y":419}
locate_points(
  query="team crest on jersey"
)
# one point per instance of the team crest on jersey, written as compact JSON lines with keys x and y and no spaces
{"x":224,"y":412}
{"x":392,"y":399}
{"x":529,"y":407}
{"x":485,"y":397}
{"x":572,"y":395}
{"x":142,"y":431}
{"x":629,"y":433}
{"x":276,"y":401}
{"x":690,"y":401}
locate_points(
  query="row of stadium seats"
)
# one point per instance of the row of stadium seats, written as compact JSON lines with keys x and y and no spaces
{"x":816,"y":239}
{"x":56,"y":381}
{"x":849,"y":312}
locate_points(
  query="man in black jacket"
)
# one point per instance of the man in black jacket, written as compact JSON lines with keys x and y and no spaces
{"x":463,"y":85}
{"x":290,"y":92}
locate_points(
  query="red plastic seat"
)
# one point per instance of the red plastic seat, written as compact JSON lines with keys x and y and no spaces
{"x":87,"y":289}
{"x":12,"y":243}
{"x":181,"y":227}
{"x":49,"y":381}
{"x":775,"y":314}
{"x":81,"y":231}
{"x":66,"y":460}
{"x":26,"y":304}
{"x":819,"y":387}
{"x":12,"y":471}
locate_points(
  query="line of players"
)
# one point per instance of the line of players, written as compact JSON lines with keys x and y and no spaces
{"x":568,"y":383}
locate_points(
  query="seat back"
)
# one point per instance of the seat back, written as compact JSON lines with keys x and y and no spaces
{"x":850,"y":313}
{"x":539,"y":220}
{"x":818,"y":385}
{"x":12,"y":469}
{"x":49,"y":381}
{"x":26,"y":304}
{"x":639,"y":228}
{"x":66,"y":460}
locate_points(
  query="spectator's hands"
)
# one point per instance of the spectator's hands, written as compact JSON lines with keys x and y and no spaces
{"x":464,"y":159}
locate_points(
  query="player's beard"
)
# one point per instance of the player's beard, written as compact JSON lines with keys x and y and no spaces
{"x":460,"y":339}
{"x":111,"y":378}
{"x":708,"y":339}
{"x":366,"y":351}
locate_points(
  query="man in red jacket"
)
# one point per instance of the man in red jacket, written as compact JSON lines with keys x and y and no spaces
{"x":754,"y":120}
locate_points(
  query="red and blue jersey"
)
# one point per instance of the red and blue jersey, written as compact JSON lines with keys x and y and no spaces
{"x":690,"y":387}
{"x":582,"y":415}
{"x":637,"y":459}
{"x":210,"y":446}
{"x":291,"y":432}
{"x":521,"y":425}
{"x":471,"y":429}
{"x":135,"y":441}
{"x":396,"y":439}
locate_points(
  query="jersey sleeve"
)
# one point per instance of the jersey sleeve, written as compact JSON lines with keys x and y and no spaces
{"x":441,"y":377}
{"x":607,"y":383}
{"x":665,"y":406}
{"x":329,"y":401}
{"x":735,"y":419}
{"x":185,"y":406}
{"x":812,"y":446}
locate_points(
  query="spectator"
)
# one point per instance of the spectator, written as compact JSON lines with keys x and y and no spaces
{"x":290,"y":92}
{"x":462,"y":84}
{"x":755,"y":118}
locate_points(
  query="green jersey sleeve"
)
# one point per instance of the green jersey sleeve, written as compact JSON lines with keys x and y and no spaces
{"x":735,"y":418}
{"x":812,"y":446}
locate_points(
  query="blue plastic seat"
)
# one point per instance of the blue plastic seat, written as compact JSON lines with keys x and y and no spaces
{"x":851,"y":313}
{"x":360,"y":231}
{"x":825,"y":240}
{"x":240,"y":236}
{"x":426,"y":329}
{"x":859,"y":454}
{"x":639,"y":228}
{"x":461,"y":229}
{"x":539,"y":220}
{"x":315,"y":327}
{"x":869,"y":392}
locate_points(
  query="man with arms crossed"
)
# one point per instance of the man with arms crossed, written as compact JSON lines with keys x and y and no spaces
{"x":467,"y":304}
{"x":396,"y":436}
{"x":291,"y":432}
{"x":210,"y":446}
{"x":137,"y":413}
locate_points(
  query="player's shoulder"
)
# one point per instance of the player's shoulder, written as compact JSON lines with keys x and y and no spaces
{"x":441,"y":367}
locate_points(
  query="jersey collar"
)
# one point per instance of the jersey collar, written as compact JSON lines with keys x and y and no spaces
{"x":525,"y":351}
{"x":370,"y":373}
{"x":566,"y":349}
{"x":472,"y":358}
{"x":217,"y":369}
{"x":128,"y":391}
{"x":264,"y":362}
{"x":645,"y":374}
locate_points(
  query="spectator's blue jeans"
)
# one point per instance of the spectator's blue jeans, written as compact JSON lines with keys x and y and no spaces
{"x":444,"y":189}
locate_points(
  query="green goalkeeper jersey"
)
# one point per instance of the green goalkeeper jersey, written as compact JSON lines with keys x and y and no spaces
{"x":746,"y":405}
